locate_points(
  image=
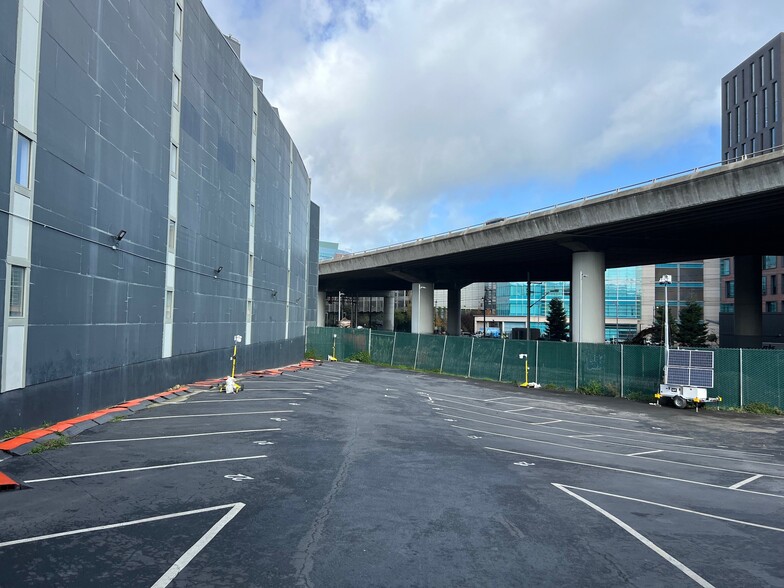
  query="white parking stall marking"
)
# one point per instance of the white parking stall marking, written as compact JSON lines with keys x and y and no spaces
{"x":188,"y":556}
{"x":746,"y":481}
{"x":493,"y":399}
{"x":172,"y":436}
{"x":120,"y":525}
{"x":196,"y":416}
{"x":587,"y":415}
{"x":547,"y":423}
{"x":300,"y":379}
{"x":507,"y":418}
{"x":644,"y":452}
{"x":613,"y":453}
{"x":633,"y":472}
{"x":131,"y":470}
{"x":520,"y":409}
{"x":245,"y":400}
{"x":678,"y":508}
{"x":649,"y":544}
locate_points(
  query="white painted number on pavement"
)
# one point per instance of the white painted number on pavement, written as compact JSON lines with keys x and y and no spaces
{"x":525,"y":464}
{"x":450,"y":420}
{"x":294,"y":403}
{"x":264,"y":442}
{"x":238,"y":477}
{"x":473,"y":437}
{"x":277,"y":419}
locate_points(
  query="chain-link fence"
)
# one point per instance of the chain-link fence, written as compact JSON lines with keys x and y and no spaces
{"x":741,"y":376}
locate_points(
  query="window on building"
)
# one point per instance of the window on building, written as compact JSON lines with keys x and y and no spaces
{"x":729,"y":128}
{"x":725,"y":266}
{"x":776,"y":102}
{"x":250,"y":265}
{"x":169,"y":306}
{"x":743,"y":83}
{"x":746,"y":118}
{"x":252,"y":215}
{"x":773,"y":137}
{"x":774,"y":287}
{"x":765,"y":104}
{"x":737,"y":120}
{"x":176,"y":89}
{"x":735,"y":89}
{"x":729,"y":288}
{"x":753,"y":144}
{"x":735,"y":153}
{"x":769,"y":261}
{"x":253,"y":170}
{"x":727,"y":95}
{"x":753,"y":77}
{"x":771,"y":61}
{"x":174,"y":159}
{"x":178,"y":17}
{"x":762,"y":69}
{"x":764,"y":285}
{"x":24,"y":149}
{"x":249,"y":312}
{"x":172,"y":237}
{"x":16,"y":300}
{"x":771,"y":306}
{"x":756,"y":114}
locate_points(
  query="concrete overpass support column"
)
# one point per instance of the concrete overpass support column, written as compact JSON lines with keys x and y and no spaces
{"x":321,"y":313}
{"x":453,"y":312}
{"x":389,"y":311}
{"x":422,"y":308}
{"x":587,"y":299}
{"x":748,"y":301}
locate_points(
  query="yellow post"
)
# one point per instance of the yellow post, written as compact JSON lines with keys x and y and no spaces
{"x":525,"y":357}
{"x":237,"y":339}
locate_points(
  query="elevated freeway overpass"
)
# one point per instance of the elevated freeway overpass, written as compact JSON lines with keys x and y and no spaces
{"x":735,"y":209}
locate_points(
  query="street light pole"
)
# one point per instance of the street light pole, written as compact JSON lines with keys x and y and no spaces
{"x":666,"y":280}
{"x":528,"y":311}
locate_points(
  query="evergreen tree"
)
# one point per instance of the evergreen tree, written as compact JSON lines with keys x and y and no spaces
{"x":692,"y":330}
{"x":557,"y":329}
{"x":657,"y":336}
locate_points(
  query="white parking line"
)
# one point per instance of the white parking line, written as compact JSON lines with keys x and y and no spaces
{"x":173,"y":436}
{"x":746,"y":481}
{"x":246,"y":400}
{"x":678,"y":508}
{"x":519,"y":409}
{"x":488,"y":399}
{"x":563,"y":420}
{"x":649,"y":544}
{"x":186,"y":557}
{"x":644,"y":452}
{"x":633,"y":472}
{"x":547,"y":423}
{"x":158,"y":467}
{"x":196,"y":416}
{"x":666,"y":461}
{"x":119,"y":525}
{"x":595,"y":416}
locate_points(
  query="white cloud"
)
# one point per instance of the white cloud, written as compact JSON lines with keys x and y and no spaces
{"x":397,"y":104}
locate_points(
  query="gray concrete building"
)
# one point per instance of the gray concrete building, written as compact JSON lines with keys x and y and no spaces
{"x":153,"y":207}
{"x":751,"y":102}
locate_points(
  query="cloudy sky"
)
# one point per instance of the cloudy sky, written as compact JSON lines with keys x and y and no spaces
{"x":416,"y":117}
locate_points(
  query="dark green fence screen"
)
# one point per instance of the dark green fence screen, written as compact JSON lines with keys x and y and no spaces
{"x":741,"y":376}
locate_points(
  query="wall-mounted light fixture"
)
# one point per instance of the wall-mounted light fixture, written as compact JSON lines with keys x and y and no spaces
{"x":217,"y":270}
{"x":117,"y":238}
{"x":274,"y":293}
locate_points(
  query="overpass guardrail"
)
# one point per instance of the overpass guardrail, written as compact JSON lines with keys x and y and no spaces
{"x":741,"y":376}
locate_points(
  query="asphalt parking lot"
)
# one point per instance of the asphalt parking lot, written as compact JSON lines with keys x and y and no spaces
{"x":357,"y":475}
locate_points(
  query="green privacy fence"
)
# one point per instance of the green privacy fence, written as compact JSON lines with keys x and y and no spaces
{"x":741,"y":376}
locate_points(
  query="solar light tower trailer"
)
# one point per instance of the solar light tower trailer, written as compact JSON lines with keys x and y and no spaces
{"x":687,"y":374}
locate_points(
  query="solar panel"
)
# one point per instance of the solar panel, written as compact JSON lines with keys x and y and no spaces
{"x":702,"y":378}
{"x":686,"y":367}
{"x":702,"y":359}
{"x":680,"y":357}
{"x":678,"y":376}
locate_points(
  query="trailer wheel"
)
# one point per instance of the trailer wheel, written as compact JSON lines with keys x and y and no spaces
{"x":679,"y":402}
